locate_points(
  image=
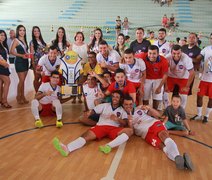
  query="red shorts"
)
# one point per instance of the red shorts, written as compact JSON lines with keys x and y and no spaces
{"x":137,"y":86}
{"x":171,"y":82}
{"x":152,"y":135}
{"x":47,"y":110}
{"x":47,"y":79}
{"x":205,"y":89}
{"x":106,"y":131}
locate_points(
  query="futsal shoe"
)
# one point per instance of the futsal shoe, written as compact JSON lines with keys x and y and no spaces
{"x":60,"y":147}
{"x":105,"y":149}
{"x":180,"y":162}
{"x":188,"y":163}
{"x":196,"y":117}
{"x":38,"y":123}
{"x":59,"y":123}
{"x":205,"y":119}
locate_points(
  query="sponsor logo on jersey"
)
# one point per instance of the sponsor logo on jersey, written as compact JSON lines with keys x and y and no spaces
{"x":139,"y":112}
{"x":118,"y":114}
{"x":181,"y":66}
{"x":136,"y":70}
{"x":163,"y":50}
{"x":190,"y":54}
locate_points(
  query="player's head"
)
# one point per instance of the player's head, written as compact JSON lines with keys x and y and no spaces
{"x":153,"y":53}
{"x":54,"y":78}
{"x":127,"y":38}
{"x":151,"y":34}
{"x":117,"y":97}
{"x":92,"y":57}
{"x":52,"y":54}
{"x":129,"y":56}
{"x":161,"y":34}
{"x":103,"y":47}
{"x":128,"y":104}
{"x":176,"y":101}
{"x":192,"y":39}
{"x":120,"y":77}
{"x":176,"y":52}
{"x":91,"y":81}
{"x":139,"y":33}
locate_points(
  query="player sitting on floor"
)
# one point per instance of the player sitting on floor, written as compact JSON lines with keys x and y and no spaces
{"x":46,"y":101}
{"x":111,"y":124}
{"x":144,"y":121}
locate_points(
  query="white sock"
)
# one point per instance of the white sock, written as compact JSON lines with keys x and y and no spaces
{"x":166,"y":99}
{"x":34,"y":108}
{"x":184,"y":100}
{"x":171,"y":149}
{"x":208,"y":111}
{"x":118,"y":140}
{"x":58,"y":107}
{"x":199,"y":111}
{"x":76,"y":144}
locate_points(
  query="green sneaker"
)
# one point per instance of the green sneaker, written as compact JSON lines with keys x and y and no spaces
{"x":60,"y":147}
{"x":105,"y":149}
{"x":38,"y":123}
{"x":59,"y":123}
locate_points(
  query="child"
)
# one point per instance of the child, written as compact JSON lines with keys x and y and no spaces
{"x":175,"y":118}
{"x":127,"y":41}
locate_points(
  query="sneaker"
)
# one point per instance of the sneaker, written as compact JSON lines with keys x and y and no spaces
{"x":38,"y":123}
{"x":205,"y":119}
{"x":59,"y":123}
{"x":179,"y":161}
{"x":105,"y":149}
{"x":188,"y":163}
{"x":196,"y":117}
{"x":60,"y":147}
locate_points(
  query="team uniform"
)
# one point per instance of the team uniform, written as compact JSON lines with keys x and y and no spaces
{"x":87,"y":68}
{"x":140,"y":47}
{"x":147,"y":127}
{"x":113,"y":58}
{"x":48,"y":67}
{"x":164,"y":49}
{"x":154,"y":74}
{"x":205,"y":86}
{"x":178,"y":73}
{"x":106,"y":126}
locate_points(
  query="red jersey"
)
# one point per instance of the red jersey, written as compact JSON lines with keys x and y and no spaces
{"x":128,"y":87}
{"x":154,"y":70}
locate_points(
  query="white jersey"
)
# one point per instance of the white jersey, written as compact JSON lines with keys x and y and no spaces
{"x":164,"y":49}
{"x":106,"y":110}
{"x":181,"y":68}
{"x":45,"y":87}
{"x":207,"y":71}
{"x":91,"y":95}
{"x":47,"y":66}
{"x":113,"y":58}
{"x":134,"y":71}
{"x":81,"y":51}
{"x":142,"y":122}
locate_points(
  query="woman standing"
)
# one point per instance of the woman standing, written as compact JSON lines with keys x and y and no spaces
{"x":19,"y":49}
{"x":98,"y":37}
{"x":37,"y":48}
{"x":120,"y":46}
{"x":4,"y":70}
{"x":60,"y":41}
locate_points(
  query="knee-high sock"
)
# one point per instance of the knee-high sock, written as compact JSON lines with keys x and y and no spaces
{"x":199,"y":111}
{"x":118,"y":140}
{"x":76,"y":144}
{"x":184,"y":100}
{"x":166,"y":99}
{"x":34,"y":108}
{"x":58,"y":107}
{"x":171,"y":149}
{"x":208,"y":111}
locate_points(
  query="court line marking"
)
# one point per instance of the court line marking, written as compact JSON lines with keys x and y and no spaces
{"x":115,"y":163}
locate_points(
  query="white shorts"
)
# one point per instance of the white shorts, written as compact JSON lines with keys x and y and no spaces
{"x":150,"y":86}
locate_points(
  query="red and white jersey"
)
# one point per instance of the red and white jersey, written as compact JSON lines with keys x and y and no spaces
{"x":181,"y":68}
{"x":164,"y":49}
{"x":134,"y":71}
{"x":91,"y":95}
{"x":142,"y":122}
{"x":106,"y":110}
{"x":113,"y":58}
{"x":207,"y":71}
{"x":47,"y":66}
{"x":45,"y":87}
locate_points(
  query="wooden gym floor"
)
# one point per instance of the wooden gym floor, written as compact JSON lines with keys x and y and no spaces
{"x":29,"y":154}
